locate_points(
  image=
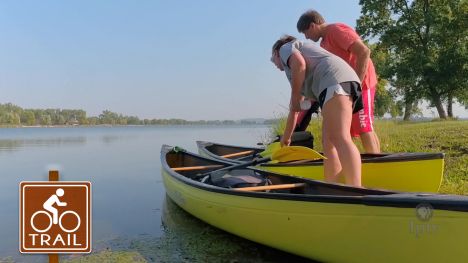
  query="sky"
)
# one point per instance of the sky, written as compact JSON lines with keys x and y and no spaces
{"x":192,"y":60}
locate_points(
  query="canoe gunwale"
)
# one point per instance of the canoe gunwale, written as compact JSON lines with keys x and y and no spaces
{"x":390,"y":158}
{"x":204,"y":144}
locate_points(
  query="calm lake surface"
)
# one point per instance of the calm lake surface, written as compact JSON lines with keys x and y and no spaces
{"x":132,"y":219}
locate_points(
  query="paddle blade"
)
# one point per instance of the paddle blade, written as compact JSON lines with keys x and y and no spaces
{"x":295,"y":153}
{"x":270,"y":149}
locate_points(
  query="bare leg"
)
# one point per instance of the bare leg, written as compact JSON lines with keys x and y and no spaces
{"x":337,"y":115}
{"x":370,"y":142}
{"x":331,"y":165}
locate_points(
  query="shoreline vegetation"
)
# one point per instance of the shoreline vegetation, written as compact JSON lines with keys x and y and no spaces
{"x":13,"y":116}
{"x":188,"y":123}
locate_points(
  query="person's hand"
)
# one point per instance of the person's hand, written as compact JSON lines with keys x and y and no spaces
{"x":285,"y":141}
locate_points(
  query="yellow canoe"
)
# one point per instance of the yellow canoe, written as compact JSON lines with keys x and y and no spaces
{"x":408,"y":172}
{"x":321,"y":221}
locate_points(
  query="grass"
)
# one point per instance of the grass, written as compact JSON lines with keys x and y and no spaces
{"x":450,"y":137}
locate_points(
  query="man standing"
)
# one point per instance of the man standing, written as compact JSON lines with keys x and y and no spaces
{"x":343,"y":41}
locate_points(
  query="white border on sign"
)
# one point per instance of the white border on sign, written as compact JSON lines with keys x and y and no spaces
{"x":24,"y":250}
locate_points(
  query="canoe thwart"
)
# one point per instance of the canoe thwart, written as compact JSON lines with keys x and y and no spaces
{"x":271,"y":187}
{"x":237,"y":154}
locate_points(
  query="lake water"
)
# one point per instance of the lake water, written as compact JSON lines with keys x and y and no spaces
{"x":132,"y":219}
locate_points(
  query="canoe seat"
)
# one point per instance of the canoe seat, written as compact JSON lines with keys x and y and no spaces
{"x":237,"y":179}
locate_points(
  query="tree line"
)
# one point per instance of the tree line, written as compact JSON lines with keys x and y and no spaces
{"x":419,"y":48}
{"x":13,"y":115}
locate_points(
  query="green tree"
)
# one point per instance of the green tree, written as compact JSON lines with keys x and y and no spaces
{"x":80,"y":116}
{"x":46,"y":120}
{"x":13,"y":118}
{"x":133,"y":120}
{"x":426,"y":43}
{"x":93,"y":120}
{"x":28,"y":117}
{"x":108,"y":117}
{"x":384,"y":95}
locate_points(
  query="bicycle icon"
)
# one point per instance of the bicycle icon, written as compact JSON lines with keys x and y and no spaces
{"x":55,"y":219}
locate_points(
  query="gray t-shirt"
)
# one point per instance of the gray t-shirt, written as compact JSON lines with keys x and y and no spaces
{"x":323,"y":69}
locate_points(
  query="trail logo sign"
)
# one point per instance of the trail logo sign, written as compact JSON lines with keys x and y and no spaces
{"x":55,"y":217}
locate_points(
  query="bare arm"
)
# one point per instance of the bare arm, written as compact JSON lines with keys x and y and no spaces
{"x":298,"y":69}
{"x":297,"y":65}
{"x":288,"y":130}
{"x":362,"y":53}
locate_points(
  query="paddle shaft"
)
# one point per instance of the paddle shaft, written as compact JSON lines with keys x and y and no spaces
{"x":237,"y":166}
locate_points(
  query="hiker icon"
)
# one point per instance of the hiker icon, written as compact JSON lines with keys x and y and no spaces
{"x":55,"y":218}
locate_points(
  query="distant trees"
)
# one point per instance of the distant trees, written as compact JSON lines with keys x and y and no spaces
{"x":28,"y":118}
{"x":9,"y":114}
{"x":109,"y":117}
{"x":14,"y":115}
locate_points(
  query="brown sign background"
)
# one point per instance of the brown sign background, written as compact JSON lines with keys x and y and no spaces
{"x":77,"y":195}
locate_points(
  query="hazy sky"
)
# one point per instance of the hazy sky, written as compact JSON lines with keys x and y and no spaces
{"x":154,"y":59}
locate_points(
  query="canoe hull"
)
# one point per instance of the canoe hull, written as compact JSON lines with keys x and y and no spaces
{"x":331,"y":232}
{"x":407,"y":176}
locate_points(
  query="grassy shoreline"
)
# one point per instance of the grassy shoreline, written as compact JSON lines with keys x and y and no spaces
{"x":449,"y":137}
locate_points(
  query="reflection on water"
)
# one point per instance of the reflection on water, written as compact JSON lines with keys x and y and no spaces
{"x":109,"y":139}
{"x":13,"y":144}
